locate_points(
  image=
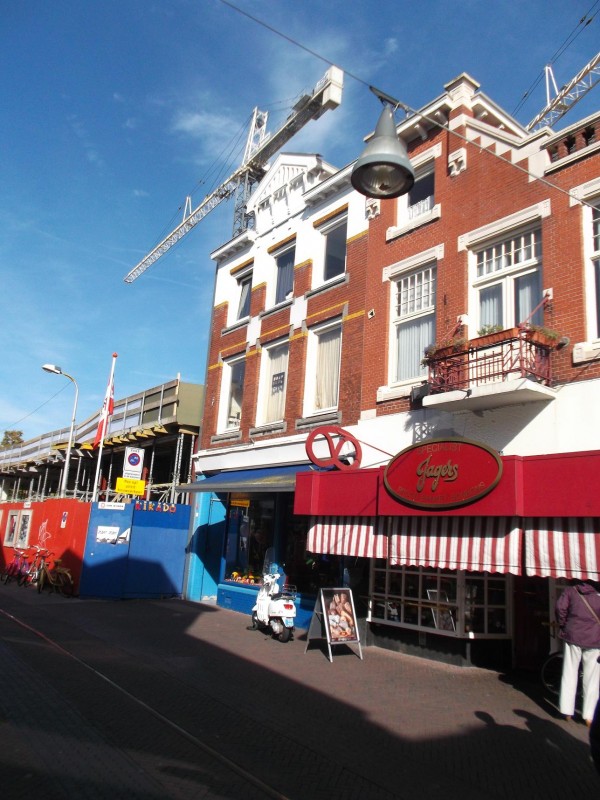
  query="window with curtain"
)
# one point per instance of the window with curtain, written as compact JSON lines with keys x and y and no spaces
{"x":323,"y":369}
{"x":285,"y":274}
{"x":413,"y":318}
{"x":596,"y":263}
{"x":237,"y":371}
{"x":275,"y":383}
{"x":509,"y":281}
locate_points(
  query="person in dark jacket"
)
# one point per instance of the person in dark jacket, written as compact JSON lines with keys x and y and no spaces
{"x":578,"y":615}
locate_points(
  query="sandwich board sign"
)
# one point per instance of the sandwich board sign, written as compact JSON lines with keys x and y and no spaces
{"x":334,"y":619}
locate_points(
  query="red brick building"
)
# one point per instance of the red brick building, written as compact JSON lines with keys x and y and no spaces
{"x":462,"y":317}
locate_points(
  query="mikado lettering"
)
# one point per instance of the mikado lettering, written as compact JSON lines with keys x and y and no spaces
{"x":447,"y":472}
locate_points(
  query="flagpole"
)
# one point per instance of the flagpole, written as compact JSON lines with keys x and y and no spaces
{"x":104,"y":412}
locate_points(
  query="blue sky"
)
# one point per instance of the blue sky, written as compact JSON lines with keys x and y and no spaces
{"x":113,"y":111}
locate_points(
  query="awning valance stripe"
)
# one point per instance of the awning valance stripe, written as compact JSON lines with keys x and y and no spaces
{"x":477,"y":544}
{"x":562,"y":547}
{"x":346,"y":536}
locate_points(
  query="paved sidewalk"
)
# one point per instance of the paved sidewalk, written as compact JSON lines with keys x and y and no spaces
{"x":173,"y":700}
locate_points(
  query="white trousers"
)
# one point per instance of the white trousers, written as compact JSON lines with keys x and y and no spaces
{"x":573,"y":655}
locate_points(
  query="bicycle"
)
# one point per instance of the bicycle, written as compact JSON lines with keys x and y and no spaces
{"x":551,"y":672}
{"x":57,"y":577}
{"x":31,"y":573}
{"x":17,"y":566}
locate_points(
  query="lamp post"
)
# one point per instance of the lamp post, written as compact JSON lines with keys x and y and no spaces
{"x":58,"y":371}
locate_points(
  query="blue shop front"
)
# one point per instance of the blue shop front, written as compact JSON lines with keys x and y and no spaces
{"x":241,"y":514}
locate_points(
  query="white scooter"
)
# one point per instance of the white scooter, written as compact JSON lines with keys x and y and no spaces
{"x":275,"y":609}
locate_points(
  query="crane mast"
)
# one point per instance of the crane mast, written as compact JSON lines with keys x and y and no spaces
{"x":571,"y":93}
{"x":326,"y":95}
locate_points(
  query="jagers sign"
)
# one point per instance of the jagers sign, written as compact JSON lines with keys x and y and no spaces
{"x":443,"y":473}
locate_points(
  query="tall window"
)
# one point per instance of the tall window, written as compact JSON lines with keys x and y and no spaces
{"x":421,"y":196}
{"x":237,"y":371}
{"x":245,"y":285}
{"x":285,"y":274}
{"x":596,"y":263}
{"x":509,"y":281}
{"x":323,"y":369}
{"x":275,"y":383}
{"x":335,"y":250}
{"x":413,"y":319}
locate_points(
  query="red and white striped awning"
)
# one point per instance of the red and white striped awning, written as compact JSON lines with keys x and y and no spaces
{"x":477,"y":544}
{"x":562,"y":547}
{"x":346,"y":536}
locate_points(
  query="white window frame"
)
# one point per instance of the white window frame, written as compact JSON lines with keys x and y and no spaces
{"x":280,"y":253}
{"x":314,"y":368}
{"x":406,"y":219}
{"x":325,"y":231}
{"x":504,"y":270}
{"x":434,"y":255}
{"x":590,"y":193}
{"x":21,"y":530}
{"x":226,"y":423}
{"x":266,"y":382}
{"x":245,"y":279}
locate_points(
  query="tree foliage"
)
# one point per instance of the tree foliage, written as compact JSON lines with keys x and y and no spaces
{"x":11,"y":439}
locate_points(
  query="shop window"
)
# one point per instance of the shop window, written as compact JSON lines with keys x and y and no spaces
{"x":451,"y":603}
{"x":509,"y":281}
{"x":259,"y":522}
{"x":413,"y":322}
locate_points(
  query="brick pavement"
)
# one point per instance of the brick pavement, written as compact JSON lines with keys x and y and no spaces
{"x":169,"y":699}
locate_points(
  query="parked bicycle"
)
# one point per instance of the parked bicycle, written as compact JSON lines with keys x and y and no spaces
{"x":17,"y":566}
{"x":551,"y":671}
{"x":56,"y":577}
{"x":30,"y":573}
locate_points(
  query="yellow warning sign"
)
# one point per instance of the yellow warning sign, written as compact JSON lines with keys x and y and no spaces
{"x":130,"y":486}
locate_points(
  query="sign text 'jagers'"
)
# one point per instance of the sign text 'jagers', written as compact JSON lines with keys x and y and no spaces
{"x":443,"y":473}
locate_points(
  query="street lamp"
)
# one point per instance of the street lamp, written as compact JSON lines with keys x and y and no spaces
{"x":383,"y":169}
{"x":58,"y":371}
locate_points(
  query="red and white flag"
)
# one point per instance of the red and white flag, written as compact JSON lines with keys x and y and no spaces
{"x":108,"y":406}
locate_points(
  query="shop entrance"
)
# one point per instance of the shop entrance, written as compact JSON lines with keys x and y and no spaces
{"x":532,"y":632}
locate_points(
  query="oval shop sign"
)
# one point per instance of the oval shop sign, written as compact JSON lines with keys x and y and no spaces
{"x":443,"y":473}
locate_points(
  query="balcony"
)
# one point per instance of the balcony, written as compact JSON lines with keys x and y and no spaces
{"x":499,"y":369}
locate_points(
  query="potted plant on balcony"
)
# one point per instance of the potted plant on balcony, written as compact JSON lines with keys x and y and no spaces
{"x":449,"y":347}
{"x":489,"y":335}
{"x":539,"y":334}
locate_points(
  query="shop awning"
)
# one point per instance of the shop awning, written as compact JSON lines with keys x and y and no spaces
{"x":563,"y":547}
{"x":346,"y":536}
{"x":269,"y":479}
{"x":477,"y":544}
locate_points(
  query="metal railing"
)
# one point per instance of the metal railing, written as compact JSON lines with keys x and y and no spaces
{"x":489,"y":359}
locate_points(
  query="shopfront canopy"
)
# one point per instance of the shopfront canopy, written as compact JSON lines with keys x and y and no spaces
{"x":347,"y":536}
{"x":477,"y":544}
{"x":563,"y":547}
{"x":269,"y":479}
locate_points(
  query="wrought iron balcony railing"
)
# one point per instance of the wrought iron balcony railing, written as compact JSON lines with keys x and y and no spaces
{"x":499,"y":356}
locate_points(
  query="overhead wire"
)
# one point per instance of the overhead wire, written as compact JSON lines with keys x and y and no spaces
{"x":575,"y":33}
{"x":406,"y":108}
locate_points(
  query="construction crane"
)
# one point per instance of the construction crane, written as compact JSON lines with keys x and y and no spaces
{"x":571,"y":93}
{"x":260,"y":146}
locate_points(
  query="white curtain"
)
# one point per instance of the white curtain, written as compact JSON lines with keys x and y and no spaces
{"x":528,"y":293}
{"x":328,"y":369}
{"x":411,"y":340}
{"x":490,"y":306}
{"x":277,"y":382}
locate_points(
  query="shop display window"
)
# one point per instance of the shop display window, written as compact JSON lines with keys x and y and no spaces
{"x":448,"y":602}
{"x":259,"y":521}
